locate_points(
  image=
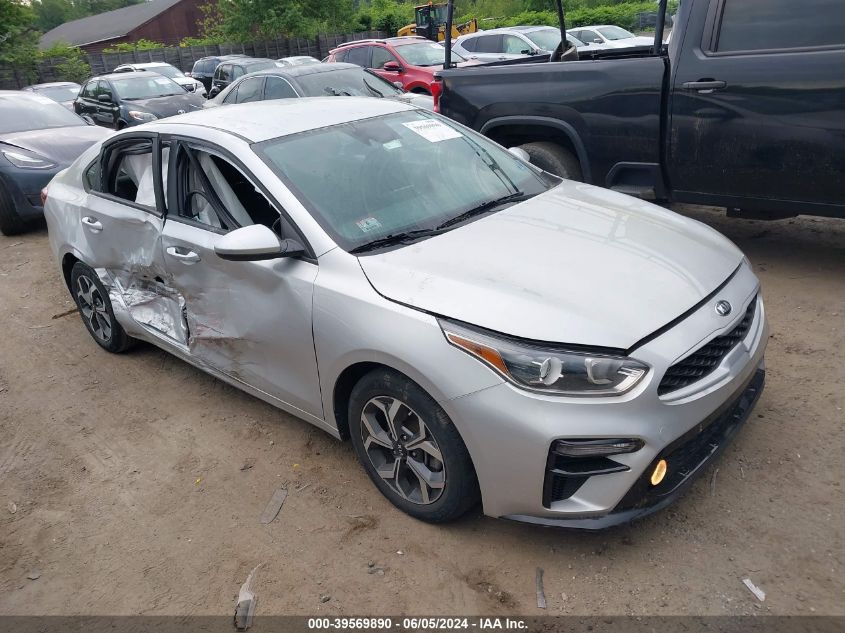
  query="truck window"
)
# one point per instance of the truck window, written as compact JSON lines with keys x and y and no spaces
{"x":755,"y":25}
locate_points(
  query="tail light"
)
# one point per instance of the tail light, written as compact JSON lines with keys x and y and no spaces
{"x":44,"y":196}
{"x":436,"y":91}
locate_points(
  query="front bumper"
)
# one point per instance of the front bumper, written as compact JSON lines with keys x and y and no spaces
{"x":686,"y":457}
{"x":25,"y":187}
{"x":509,"y":432}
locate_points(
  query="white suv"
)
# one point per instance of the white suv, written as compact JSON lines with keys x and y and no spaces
{"x":512,"y":42}
{"x":169,"y":71}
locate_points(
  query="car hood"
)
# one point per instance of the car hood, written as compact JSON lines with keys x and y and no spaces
{"x":61,"y":145}
{"x":414,"y":99}
{"x":577,"y":264}
{"x":167,"y":106}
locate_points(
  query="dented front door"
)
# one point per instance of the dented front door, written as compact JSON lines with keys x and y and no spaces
{"x":250,"y":320}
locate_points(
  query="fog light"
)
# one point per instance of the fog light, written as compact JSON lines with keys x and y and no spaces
{"x":659,"y":472}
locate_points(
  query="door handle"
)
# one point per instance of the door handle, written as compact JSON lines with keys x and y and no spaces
{"x":92,"y":223}
{"x":704,"y":85}
{"x":188,"y":257}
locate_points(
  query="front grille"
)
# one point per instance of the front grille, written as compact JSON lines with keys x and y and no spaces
{"x":706,"y":359}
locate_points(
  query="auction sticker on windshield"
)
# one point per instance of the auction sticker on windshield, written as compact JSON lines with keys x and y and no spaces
{"x":432,"y":130}
{"x":368,"y":224}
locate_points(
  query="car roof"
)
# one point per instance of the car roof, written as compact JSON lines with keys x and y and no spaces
{"x":248,"y":61}
{"x":144,"y":65}
{"x":222,"y":57}
{"x":264,"y":120}
{"x":16,"y":95}
{"x":119,"y":75}
{"x":301,"y":71}
{"x":393,"y":41}
{"x":53,"y":84}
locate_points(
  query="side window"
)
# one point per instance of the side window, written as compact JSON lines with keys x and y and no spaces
{"x":104,"y":89}
{"x":212,"y":191}
{"x":489,"y":44}
{"x":590,"y":37}
{"x":250,"y":89}
{"x":278,"y":88}
{"x":238,"y":71}
{"x":90,"y":90}
{"x":381,"y":56}
{"x":514,"y":45}
{"x":129,"y":172}
{"x":340,"y":56}
{"x":753,"y":25}
{"x":359,"y":55}
{"x":223,"y":72}
{"x":469,"y":44}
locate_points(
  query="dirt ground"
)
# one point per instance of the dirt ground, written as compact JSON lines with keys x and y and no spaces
{"x":133,"y":484}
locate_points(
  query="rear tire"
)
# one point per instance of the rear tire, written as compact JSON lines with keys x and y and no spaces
{"x":408,"y":442}
{"x":10,"y":222}
{"x":95,"y":308}
{"x":554,"y":159}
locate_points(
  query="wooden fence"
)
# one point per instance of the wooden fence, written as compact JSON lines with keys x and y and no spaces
{"x":184,"y":57}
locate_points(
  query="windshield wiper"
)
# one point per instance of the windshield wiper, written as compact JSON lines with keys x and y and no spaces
{"x":484,"y":208}
{"x":405,"y":237}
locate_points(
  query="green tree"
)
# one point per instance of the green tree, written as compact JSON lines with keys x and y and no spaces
{"x":69,"y":62}
{"x":18,"y":37}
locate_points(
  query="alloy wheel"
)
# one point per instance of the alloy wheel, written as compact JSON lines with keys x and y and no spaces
{"x":93,"y":308}
{"x":402,"y":450}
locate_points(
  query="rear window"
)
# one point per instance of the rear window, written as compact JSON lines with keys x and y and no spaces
{"x":751,"y":25}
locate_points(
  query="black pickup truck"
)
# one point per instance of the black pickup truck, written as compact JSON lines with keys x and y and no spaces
{"x":744,"y":109}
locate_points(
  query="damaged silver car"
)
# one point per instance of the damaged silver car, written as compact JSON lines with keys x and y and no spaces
{"x":479,"y":329}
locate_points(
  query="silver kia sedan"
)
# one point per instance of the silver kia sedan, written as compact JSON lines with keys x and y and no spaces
{"x":479,"y":329}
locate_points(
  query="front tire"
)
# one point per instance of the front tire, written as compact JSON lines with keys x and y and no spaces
{"x":554,"y":159}
{"x":10,"y":222}
{"x":410,"y":448}
{"x":95,"y":308}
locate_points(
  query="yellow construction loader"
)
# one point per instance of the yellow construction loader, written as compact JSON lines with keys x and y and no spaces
{"x":431,"y":23}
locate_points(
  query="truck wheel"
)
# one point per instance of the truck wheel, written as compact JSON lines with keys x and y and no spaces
{"x":10,"y":222}
{"x":554,"y":159}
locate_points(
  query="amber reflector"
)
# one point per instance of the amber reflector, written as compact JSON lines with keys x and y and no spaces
{"x":659,"y":472}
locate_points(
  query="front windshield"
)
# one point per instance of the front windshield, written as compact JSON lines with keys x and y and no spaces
{"x":546,"y":39}
{"x":146,"y":87}
{"x":60,"y":93}
{"x":425,"y":54}
{"x":354,"y":82}
{"x":167,"y":71}
{"x":22,"y":114}
{"x":615,"y":33}
{"x":387,"y":175}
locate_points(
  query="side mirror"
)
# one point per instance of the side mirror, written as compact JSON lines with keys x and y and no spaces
{"x":527,"y":51}
{"x":104,"y":98}
{"x":392,"y":67}
{"x":520,"y":153}
{"x":399,"y":85}
{"x":215,"y":90}
{"x":598,"y":41}
{"x":255,"y":243}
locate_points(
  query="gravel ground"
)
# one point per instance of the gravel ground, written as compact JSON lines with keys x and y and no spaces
{"x":133,"y":484}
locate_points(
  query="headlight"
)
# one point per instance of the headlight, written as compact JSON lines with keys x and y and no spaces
{"x":142,"y":116}
{"x":569,"y":372}
{"x":27,"y":160}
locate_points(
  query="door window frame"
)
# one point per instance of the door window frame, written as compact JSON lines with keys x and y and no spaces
{"x":176,"y":141}
{"x":106,"y":172}
{"x":280,"y":78}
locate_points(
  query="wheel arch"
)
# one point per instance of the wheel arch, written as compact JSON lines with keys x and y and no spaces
{"x":510,"y":131}
{"x":68,"y":261}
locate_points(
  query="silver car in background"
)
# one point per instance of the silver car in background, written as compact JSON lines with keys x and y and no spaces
{"x":479,"y":329}
{"x":513,"y":42}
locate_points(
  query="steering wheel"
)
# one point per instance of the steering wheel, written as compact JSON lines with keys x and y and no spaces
{"x":564,"y":52}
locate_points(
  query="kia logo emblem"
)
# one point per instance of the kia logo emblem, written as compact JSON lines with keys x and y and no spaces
{"x":723,"y":308}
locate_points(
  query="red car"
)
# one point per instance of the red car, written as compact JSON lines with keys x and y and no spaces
{"x":411,"y":61}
